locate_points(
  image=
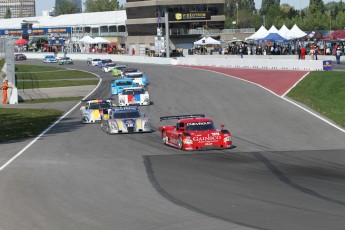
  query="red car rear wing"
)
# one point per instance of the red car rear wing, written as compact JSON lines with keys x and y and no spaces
{"x":178,"y":117}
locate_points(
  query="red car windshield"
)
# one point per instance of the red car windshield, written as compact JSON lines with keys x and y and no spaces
{"x":200,"y":126}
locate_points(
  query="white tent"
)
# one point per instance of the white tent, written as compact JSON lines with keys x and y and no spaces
{"x":207,"y":41}
{"x":261,"y":33}
{"x":273,"y":29}
{"x":295,"y":33}
{"x":100,"y":40}
{"x":283,"y":31}
{"x":87,"y":40}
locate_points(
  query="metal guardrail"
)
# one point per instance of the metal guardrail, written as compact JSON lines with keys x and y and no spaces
{"x":200,"y":31}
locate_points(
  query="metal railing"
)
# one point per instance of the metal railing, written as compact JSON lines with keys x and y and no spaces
{"x":215,"y":32}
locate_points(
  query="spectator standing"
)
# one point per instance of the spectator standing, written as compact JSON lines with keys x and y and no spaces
{"x":337,"y":55}
{"x":5,"y":87}
{"x":133,"y":51}
{"x":303,"y":52}
{"x":316,"y":51}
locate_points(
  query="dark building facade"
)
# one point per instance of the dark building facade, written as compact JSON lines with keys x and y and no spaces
{"x":18,"y":8}
{"x":77,"y":2}
{"x":188,"y":20}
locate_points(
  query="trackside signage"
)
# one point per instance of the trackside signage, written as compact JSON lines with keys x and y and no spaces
{"x":327,"y":65}
{"x":62,"y":30}
{"x":187,"y":16}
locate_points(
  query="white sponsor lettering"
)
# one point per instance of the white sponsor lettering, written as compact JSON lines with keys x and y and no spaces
{"x":206,"y":138}
{"x":199,"y":123}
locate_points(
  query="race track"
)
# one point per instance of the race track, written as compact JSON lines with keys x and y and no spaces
{"x":286,"y":171}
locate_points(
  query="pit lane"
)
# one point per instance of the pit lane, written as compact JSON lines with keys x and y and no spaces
{"x":286,"y":172}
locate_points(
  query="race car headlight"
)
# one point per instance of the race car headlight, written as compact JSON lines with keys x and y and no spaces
{"x":146,"y":124}
{"x":122,"y":101}
{"x":113,"y":126}
{"x":228,"y":138}
{"x":188,"y":141}
{"x":146,"y":100}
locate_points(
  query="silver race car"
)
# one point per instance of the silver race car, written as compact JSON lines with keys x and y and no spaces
{"x":93,"y":109}
{"x":125,"y":120}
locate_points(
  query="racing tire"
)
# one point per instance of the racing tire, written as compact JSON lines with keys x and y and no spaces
{"x":164,"y":137}
{"x":180,"y":142}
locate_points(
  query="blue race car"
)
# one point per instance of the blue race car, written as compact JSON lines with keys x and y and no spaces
{"x":118,"y":85}
{"x":49,"y":59}
{"x":126,"y":120}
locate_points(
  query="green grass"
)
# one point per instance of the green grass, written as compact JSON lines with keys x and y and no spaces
{"x":324,"y":92}
{"x":18,"y":124}
{"x":47,"y":100}
{"x":34,"y":68}
{"x":57,"y":83}
{"x":67,"y":74}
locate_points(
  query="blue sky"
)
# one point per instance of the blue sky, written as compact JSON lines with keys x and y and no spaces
{"x":298,"y":4}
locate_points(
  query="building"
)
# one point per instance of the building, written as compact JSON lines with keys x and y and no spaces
{"x":18,"y":8}
{"x":188,"y":21}
{"x":77,"y":2}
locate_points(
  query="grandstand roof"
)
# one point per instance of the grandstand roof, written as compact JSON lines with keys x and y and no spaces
{"x":69,"y":20}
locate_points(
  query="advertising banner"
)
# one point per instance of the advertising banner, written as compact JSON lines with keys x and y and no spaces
{"x":327,"y":65}
{"x":187,"y":16}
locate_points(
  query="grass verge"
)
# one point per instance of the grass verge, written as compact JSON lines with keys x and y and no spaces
{"x":35,"y":68}
{"x":65,"y":74}
{"x":18,"y":124}
{"x":47,"y":100}
{"x":54,"y":83}
{"x":324,"y":92}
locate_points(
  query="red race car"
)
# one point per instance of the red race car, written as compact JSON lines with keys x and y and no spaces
{"x":195,"y":132}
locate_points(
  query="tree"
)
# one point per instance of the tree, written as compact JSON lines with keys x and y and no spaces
{"x":66,"y":7}
{"x":320,"y":6}
{"x":101,"y":5}
{"x":8,"y":13}
{"x":267,"y":4}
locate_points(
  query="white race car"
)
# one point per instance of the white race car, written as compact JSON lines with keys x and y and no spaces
{"x":108,"y":67}
{"x":134,"y":96}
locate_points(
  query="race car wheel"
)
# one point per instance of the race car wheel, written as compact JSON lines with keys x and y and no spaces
{"x":164,"y":137}
{"x":180,"y":142}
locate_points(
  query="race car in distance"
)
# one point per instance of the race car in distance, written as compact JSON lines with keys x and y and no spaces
{"x":65,"y":60}
{"x":108,"y":67}
{"x":129,"y":71}
{"x":103,"y":62}
{"x":126,"y":120}
{"x":92,"y":61}
{"x":195,"y":132}
{"x":49,"y":59}
{"x":139,"y":78}
{"x":20,"y":57}
{"x":117,"y":70}
{"x":118,"y":85}
{"x":133,"y":96}
{"x":93,"y":109}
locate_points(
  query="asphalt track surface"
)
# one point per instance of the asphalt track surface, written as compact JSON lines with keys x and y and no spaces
{"x":286,"y":171}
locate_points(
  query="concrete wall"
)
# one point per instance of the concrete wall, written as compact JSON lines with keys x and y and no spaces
{"x":283,"y":62}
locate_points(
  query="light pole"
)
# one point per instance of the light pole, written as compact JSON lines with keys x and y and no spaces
{"x":237,"y":15}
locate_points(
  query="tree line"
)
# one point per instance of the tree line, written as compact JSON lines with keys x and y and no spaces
{"x":316,"y":16}
{"x":243,"y":14}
